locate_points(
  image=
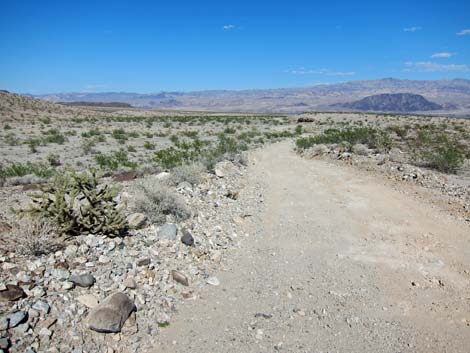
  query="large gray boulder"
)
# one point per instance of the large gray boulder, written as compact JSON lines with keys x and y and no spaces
{"x":110,"y":315}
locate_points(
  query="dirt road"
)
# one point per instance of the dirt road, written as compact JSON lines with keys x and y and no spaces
{"x":339,"y":262}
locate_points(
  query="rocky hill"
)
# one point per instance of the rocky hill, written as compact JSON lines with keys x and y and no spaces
{"x":397,"y":102}
{"x":19,"y":107}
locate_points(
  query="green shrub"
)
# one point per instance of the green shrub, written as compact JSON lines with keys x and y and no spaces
{"x":229,"y":130}
{"x":53,"y":159}
{"x":170,"y":157}
{"x":438,"y":151}
{"x":91,"y":133}
{"x":20,"y":169}
{"x":120,"y":135}
{"x":114,"y":160}
{"x":53,"y":136}
{"x":11,"y":139}
{"x":149,"y":146}
{"x":87,"y":146}
{"x":349,"y":137}
{"x":131,"y":148}
{"x":79,"y":203}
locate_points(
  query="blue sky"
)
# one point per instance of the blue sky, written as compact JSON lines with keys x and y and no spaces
{"x":149,"y":46}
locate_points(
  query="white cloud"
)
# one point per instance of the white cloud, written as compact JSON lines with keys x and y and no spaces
{"x":464,"y":32}
{"x":228,"y":27}
{"x":435,"y":67}
{"x":442,"y":55}
{"x":412,"y":29}
{"x":304,"y":71}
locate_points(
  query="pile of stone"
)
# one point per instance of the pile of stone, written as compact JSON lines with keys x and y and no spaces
{"x":120,"y":292}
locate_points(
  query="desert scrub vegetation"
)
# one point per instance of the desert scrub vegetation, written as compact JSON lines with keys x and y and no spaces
{"x":114,"y":160}
{"x":190,"y":173}
{"x":158,"y":201}
{"x":438,"y":151}
{"x":32,"y":237}
{"x":203,"y":151}
{"x":28,"y":168}
{"x":78,"y":203}
{"x":348,"y":137}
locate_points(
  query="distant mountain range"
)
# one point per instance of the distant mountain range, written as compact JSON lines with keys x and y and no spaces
{"x":97,"y":104}
{"x":392,"y":102}
{"x":453,"y":95}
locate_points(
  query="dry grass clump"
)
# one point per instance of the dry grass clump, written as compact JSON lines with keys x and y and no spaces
{"x":32,"y":237}
{"x":158,"y":201}
{"x":191,"y":173}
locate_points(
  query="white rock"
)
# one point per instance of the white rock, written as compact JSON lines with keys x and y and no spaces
{"x":213,"y":281}
{"x":67,"y":285}
{"x":104,"y":259}
{"x":45,"y":332}
{"x":89,"y":300}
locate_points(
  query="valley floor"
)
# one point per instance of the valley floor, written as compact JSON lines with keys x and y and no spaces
{"x":338,"y":261}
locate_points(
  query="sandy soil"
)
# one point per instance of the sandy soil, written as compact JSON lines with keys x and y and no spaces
{"x":338,"y":261}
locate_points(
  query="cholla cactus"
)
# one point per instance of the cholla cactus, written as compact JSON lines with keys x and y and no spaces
{"x":78,"y":203}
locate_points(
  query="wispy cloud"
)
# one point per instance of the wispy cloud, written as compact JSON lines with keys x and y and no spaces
{"x":442,"y":55}
{"x":304,"y":71}
{"x":464,"y":32}
{"x":429,"y":66}
{"x":412,"y":29}
{"x":228,"y":27}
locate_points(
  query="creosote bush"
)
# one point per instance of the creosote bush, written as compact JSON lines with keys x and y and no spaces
{"x":438,"y":151}
{"x":78,"y":203}
{"x":373,"y":138}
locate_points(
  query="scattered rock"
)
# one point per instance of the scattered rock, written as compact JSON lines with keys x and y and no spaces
{"x":45,"y":332}
{"x":84,"y":280}
{"x":4,"y":343}
{"x":136,"y":220}
{"x":89,"y":300}
{"x":130,"y":283}
{"x":162,"y":176}
{"x":224,"y":168}
{"x":103,"y":259}
{"x":213,"y":281}
{"x":38,"y":292}
{"x":184,"y":186}
{"x":232,"y":195}
{"x":3,"y":324}
{"x":41,"y":306}
{"x":16,"y":318}
{"x":12,"y":293}
{"x":111,"y":314}
{"x":61,"y":274}
{"x":68,"y":285}
{"x":143,"y":262}
{"x":187,"y":238}
{"x":180,"y":278}
{"x":168,"y":231}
